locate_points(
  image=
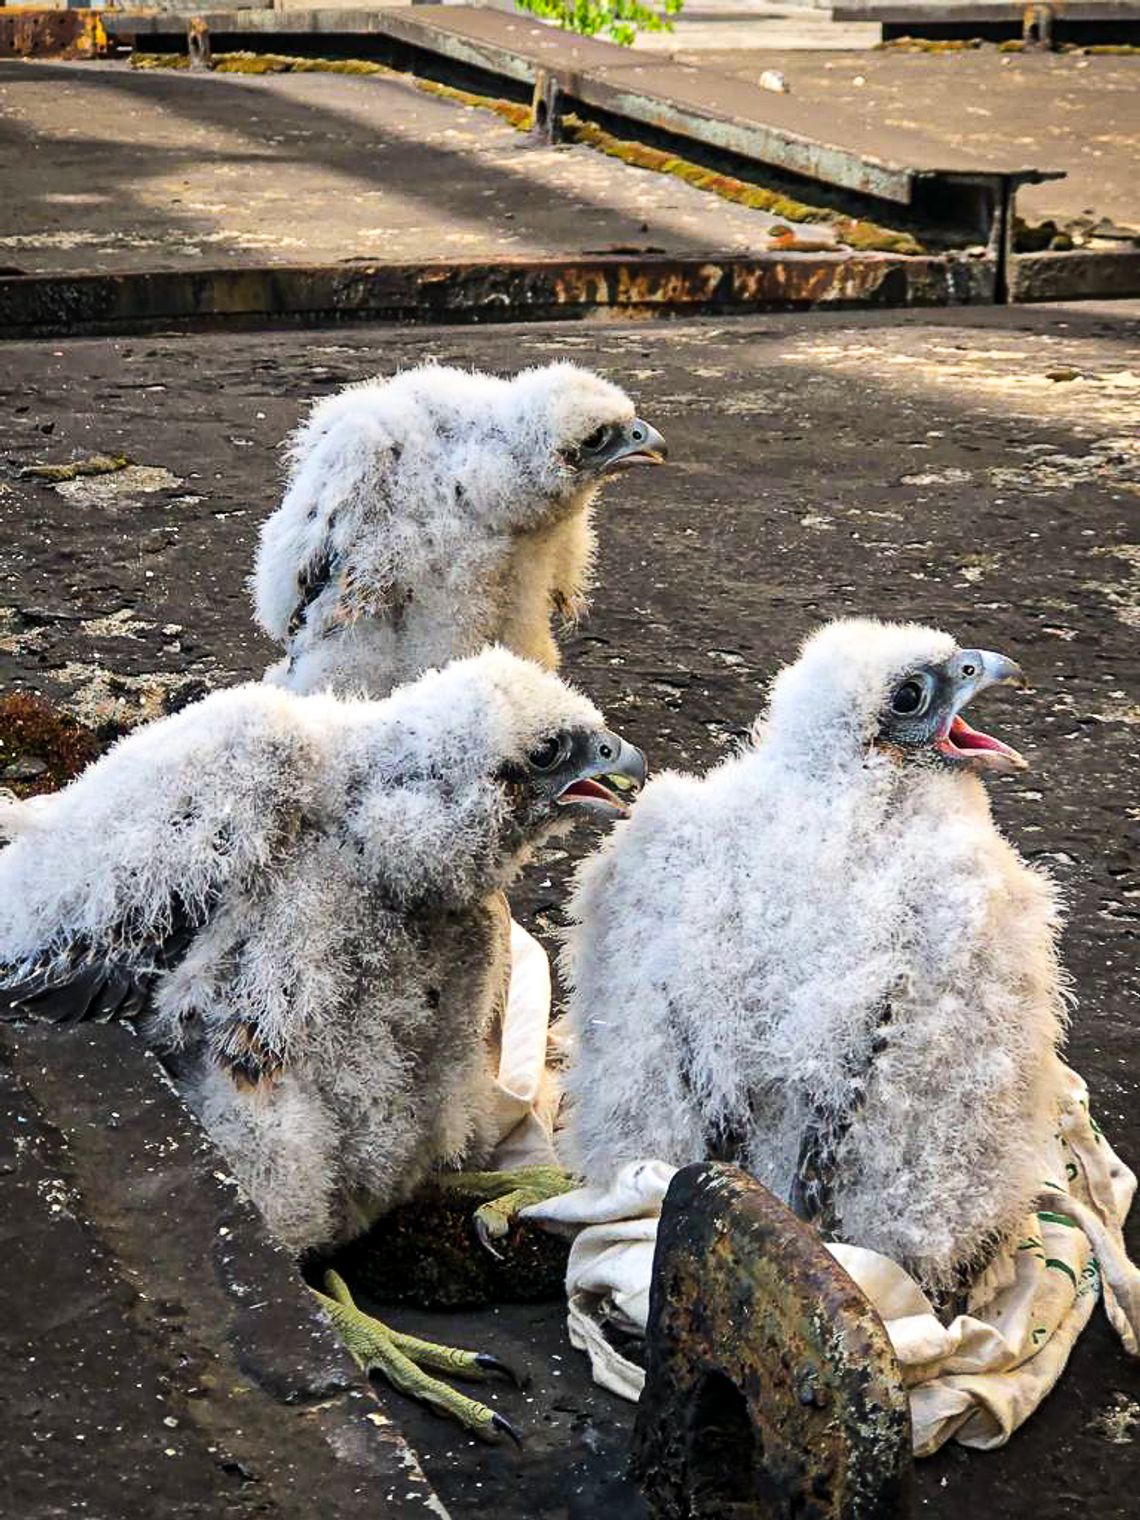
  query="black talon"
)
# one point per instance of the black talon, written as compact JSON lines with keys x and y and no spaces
{"x":492,"y":1364}
{"x":485,"y":1239}
{"x":500,"y":1422}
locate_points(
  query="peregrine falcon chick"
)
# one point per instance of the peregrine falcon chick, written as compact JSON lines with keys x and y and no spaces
{"x":435,"y":512}
{"x":829,"y":965}
{"x":297,"y":898}
{"x":428,"y":515}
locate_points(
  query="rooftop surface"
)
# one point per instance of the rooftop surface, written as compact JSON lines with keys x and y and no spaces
{"x":1070,"y":111}
{"x":107,"y":167}
{"x":976,"y":469}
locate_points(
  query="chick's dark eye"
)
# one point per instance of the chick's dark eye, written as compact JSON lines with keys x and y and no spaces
{"x":547,"y":755}
{"x":909,"y":699}
{"x":593,"y":441}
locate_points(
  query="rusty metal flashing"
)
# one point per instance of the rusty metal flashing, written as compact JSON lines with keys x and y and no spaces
{"x":504,"y":290}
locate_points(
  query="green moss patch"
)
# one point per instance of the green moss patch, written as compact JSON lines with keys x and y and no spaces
{"x":91,"y":464}
{"x":863,"y":235}
{"x":518,"y":116}
{"x":160,"y":61}
{"x":929,"y":45}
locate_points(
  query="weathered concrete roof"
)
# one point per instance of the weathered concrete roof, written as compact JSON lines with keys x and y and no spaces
{"x":160,"y":1354}
{"x":975,"y":469}
{"x":841,"y":148}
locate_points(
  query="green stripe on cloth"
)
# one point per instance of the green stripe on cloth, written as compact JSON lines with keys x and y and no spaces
{"x":1062,"y":1266}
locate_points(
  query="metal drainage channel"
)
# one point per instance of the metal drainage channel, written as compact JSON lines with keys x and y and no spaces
{"x":564,"y":74}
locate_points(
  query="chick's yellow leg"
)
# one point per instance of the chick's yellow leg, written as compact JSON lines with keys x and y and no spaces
{"x":505,"y":1194}
{"x":400,"y":1360}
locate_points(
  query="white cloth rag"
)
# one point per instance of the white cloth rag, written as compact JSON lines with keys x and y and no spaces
{"x":526,"y":1089}
{"x":976,"y":1379}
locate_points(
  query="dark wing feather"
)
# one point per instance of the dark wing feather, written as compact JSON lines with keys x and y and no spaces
{"x":312,"y":580}
{"x":812,"y":1196}
{"x":95,"y":990}
{"x":82,"y":985}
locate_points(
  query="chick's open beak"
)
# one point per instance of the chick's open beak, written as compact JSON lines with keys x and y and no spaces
{"x":976,"y":670}
{"x":609,"y":781}
{"x":636,"y":443}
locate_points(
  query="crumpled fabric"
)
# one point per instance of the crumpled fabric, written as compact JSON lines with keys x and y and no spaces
{"x":526,"y":1090}
{"x":974,"y":1380}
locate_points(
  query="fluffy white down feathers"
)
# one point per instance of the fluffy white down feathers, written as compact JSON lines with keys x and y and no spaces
{"x":343,"y":862}
{"x":769,"y":914}
{"x":426,"y":516}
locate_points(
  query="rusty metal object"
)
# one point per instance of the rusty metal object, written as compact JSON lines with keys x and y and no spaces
{"x":615,"y":287}
{"x":771,"y":1388}
{"x":198,"y":47}
{"x":1037,"y":26}
{"x":548,"y":108}
{"x":30,"y":32}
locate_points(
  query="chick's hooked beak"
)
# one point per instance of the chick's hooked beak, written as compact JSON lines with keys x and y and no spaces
{"x":972,"y":671}
{"x":606,"y":775}
{"x":633,"y":443}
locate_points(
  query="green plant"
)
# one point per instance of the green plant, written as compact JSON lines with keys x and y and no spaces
{"x":616,"y":20}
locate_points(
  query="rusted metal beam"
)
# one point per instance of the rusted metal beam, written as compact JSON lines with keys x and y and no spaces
{"x":1037,"y":25}
{"x":505,"y":290}
{"x":198,"y":45}
{"x":771,"y":1389}
{"x":33,"y":32}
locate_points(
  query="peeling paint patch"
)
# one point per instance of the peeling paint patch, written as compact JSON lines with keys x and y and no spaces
{"x":1124,"y":597}
{"x":118,"y":488}
{"x":1013,"y":376}
{"x":1120,"y":1422}
{"x":116,"y":625}
{"x":1115,"y":461}
{"x":951,"y":476}
{"x":16,"y":637}
{"x":101,"y":697}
